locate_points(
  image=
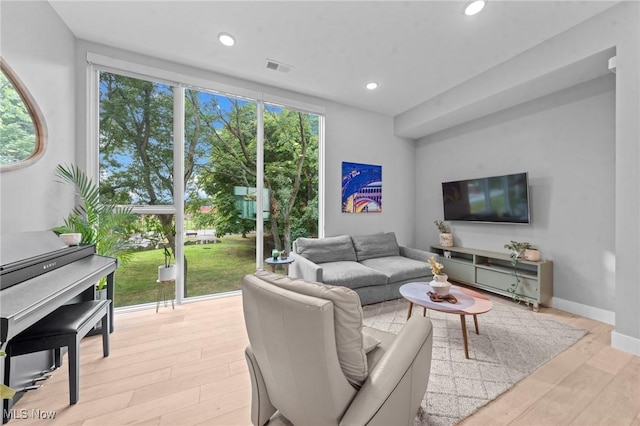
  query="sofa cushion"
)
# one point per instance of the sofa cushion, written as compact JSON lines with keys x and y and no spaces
{"x":330,"y":249}
{"x":351,"y":274}
{"x":347,"y":314}
{"x":369,"y":342}
{"x":376,"y":245}
{"x":398,"y":268}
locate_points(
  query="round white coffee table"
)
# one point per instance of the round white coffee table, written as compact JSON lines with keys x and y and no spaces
{"x":469,"y":303}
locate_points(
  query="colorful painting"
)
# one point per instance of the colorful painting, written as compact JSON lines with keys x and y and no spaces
{"x":361,"y":188}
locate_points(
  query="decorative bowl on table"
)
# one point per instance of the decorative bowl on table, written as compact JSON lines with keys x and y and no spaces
{"x":441,"y":288}
{"x":71,"y":239}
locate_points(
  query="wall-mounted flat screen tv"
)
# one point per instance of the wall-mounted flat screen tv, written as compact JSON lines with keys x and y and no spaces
{"x":501,"y":199}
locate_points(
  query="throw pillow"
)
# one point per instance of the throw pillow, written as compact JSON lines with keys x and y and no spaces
{"x":376,"y":245}
{"x":369,"y":342}
{"x":330,"y":249}
{"x":347,"y":315}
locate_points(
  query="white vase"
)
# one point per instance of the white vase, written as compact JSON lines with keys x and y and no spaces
{"x":167,"y":273}
{"x":440,"y":285}
{"x":441,"y":278}
{"x":101,"y":294}
{"x":446,"y":239}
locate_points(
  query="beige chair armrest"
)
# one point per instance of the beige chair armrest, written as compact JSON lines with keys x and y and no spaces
{"x":417,"y":254}
{"x":398,"y":379}
{"x":304,"y":268}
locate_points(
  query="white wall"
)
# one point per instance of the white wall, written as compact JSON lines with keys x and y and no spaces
{"x":616,"y":28}
{"x":566,"y":142}
{"x":40,"y":49}
{"x":361,"y":137}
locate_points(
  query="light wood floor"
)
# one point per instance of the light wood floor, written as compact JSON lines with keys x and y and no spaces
{"x":187,"y":367}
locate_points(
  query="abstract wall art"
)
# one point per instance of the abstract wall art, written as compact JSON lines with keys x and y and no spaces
{"x":361,"y":188}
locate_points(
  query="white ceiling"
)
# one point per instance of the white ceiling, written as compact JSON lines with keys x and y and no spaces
{"x":414,"y":49}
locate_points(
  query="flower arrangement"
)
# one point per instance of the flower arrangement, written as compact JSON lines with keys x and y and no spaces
{"x":436,"y":267}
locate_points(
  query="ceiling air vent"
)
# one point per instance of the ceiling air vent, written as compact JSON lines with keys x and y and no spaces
{"x":278,"y":66}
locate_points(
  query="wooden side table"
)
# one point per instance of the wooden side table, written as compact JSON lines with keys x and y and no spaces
{"x":275,"y":262}
{"x":162,"y":293}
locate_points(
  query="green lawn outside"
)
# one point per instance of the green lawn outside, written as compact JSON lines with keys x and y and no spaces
{"x":211,"y":268}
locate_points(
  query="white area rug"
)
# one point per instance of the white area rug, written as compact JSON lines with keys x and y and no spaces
{"x":513,"y":342}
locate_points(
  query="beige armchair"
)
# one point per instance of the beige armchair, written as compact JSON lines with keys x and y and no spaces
{"x":311,"y":359}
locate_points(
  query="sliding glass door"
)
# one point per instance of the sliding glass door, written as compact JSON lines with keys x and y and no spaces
{"x":290,"y":176}
{"x":220,"y":172}
{"x":247,"y":173}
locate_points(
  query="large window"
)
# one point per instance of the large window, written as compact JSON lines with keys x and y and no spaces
{"x":136,"y":140}
{"x":290,"y":176}
{"x":219,"y":155}
{"x":218,"y":228}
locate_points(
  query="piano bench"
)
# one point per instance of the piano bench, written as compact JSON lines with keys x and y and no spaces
{"x":65,"y":326}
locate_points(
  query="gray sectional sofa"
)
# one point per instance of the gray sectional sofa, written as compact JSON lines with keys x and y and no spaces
{"x":375,"y":266}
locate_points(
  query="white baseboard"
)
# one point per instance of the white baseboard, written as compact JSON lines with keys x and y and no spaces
{"x":625,"y":343}
{"x":618,"y":340}
{"x":586,"y":311}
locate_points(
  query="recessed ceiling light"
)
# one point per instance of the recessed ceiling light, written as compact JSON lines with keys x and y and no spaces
{"x":226,"y":39}
{"x":474,"y":7}
{"x":372,"y":86}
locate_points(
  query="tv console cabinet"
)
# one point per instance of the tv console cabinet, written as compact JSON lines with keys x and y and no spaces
{"x":492,"y":271}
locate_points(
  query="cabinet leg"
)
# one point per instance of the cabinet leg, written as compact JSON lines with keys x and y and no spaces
{"x":536,"y":306}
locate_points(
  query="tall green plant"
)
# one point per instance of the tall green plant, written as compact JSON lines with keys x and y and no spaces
{"x":101,"y":223}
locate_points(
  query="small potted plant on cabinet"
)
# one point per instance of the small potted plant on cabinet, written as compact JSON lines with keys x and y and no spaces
{"x":523,"y":250}
{"x":532,"y":254}
{"x":167,"y":272}
{"x":446,"y":237}
{"x":518,"y":250}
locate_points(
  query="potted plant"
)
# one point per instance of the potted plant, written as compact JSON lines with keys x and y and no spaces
{"x":532,"y":254}
{"x":446,"y":237}
{"x":518,"y":250}
{"x":167,"y":272}
{"x":101,"y":223}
